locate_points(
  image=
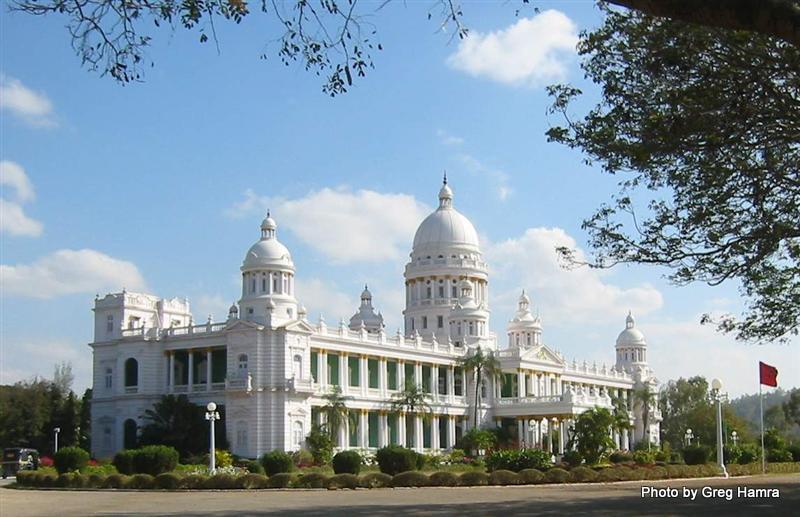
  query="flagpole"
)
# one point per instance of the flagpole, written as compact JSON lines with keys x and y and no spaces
{"x":761,"y":400}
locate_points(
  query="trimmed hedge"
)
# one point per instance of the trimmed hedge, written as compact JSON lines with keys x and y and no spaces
{"x":140,"y":481}
{"x":167,"y":481}
{"x":155,"y":459}
{"x":277,"y":462}
{"x":281,"y":480}
{"x":95,"y":481}
{"x":474,"y":479}
{"x":193,"y":481}
{"x":517,"y":459}
{"x":220,"y":482}
{"x":557,"y":475}
{"x":340,"y":481}
{"x":531,"y":476}
{"x":696,"y":454}
{"x":123,"y":461}
{"x":116,"y":481}
{"x":70,"y":459}
{"x":504,"y":477}
{"x":252,"y":481}
{"x":253,"y":467}
{"x":620,"y":457}
{"x":375,"y":480}
{"x":582,"y":475}
{"x":394,"y":459}
{"x":311,"y":480}
{"x":410,"y":478}
{"x":347,"y":462}
{"x":443,"y":479}
{"x":572,"y":458}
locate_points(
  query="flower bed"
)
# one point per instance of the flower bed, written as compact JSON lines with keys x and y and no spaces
{"x":232,"y":478}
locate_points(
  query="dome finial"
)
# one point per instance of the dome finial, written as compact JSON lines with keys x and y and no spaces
{"x":445,"y":195}
{"x":444,"y":182}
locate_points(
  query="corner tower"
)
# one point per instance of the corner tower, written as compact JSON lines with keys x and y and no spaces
{"x":446,"y":265}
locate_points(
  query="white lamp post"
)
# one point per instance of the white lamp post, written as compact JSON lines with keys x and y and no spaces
{"x":688,"y":436}
{"x":212,"y":415}
{"x":56,"y":430}
{"x":716,"y":391}
{"x":734,"y":437}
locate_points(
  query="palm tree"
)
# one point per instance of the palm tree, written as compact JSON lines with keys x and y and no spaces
{"x":412,"y":399}
{"x":335,"y":411}
{"x":620,"y":413}
{"x":646,"y":397}
{"x":482,"y":365}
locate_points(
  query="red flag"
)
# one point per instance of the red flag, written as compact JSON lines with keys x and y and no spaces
{"x":767,"y":375}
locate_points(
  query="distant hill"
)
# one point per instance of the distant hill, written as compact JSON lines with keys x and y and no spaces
{"x":747,"y":407}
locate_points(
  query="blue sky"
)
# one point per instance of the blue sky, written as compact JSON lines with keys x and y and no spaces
{"x":162,"y":185}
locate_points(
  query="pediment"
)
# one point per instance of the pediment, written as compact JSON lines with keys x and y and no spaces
{"x":300,"y":326}
{"x":541,"y":354}
{"x":242,"y":325}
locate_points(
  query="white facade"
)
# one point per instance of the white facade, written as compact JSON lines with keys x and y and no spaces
{"x":270,"y":367}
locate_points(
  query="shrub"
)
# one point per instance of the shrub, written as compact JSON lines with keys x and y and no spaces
{"x":572,"y":458}
{"x":778,"y":455}
{"x":155,"y":459}
{"x":473,"y":479}
{"x":410,"y":478}
{"x":140,"y":481}
{"x":123,"y":461}
{"x":677,"y":471}
{"x":504,"y":477}
{"x":167,"y":481}
{"x":252,"y":481}
{"x":64,"y":480}
{"x":70,"y":459}
{"x":115,"y":481}
{"x":320,"y":445}
{"x":643,"y":457}
{"x":443,"y":479}
{"x":530,"y":476}
{"x":303,"y":458}
{"x":582,"y":475}
{"x":795,"y":450}
{"x":375,"y":480}
{"x":748,"y":454}
{"x":431,"y":461}
{"x":662,"y":455}
{"x":657,"y":472}
{"x":696,"y":454}
{"x":220,"y":482}
{"x":340,"y":481}
{"x":347,"y":462}
{"x":26,"y":477}
{"x":46,"y":479}
{"x":556,"y":475}
{"x":253,"y":467}
{"x":281,"y":480}
{"x":517,"y":459}
{"x":394,"y":459}
{"x":95,"y":480}
{"x":478,"y":439}
{"x":610,"y":474}
{"x":277,"y":462}
{"x":620,"y":457}
{"x":193,"y":481}
{"x":311,"y":480}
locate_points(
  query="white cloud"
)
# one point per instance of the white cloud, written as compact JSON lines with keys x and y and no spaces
{"x":16,"y":189}
{"x":448,"y":139}
{"x":32,"y":107}
{"x":36,"y":357}
{"x":579,"y":295}
{"x":498,"y":177}
{"x":346,"y":226}
{"x":213,"y":304}
{"x":531,"y":52}
{"x":322,"y":297}
{"x":686,"y":348}
{"x":70,"y":271}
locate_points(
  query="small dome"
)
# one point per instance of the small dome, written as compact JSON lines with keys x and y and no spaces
{"x":268,"y":251}
{"x":268,"y":223}
{"x":365,"y":294}
{"x":445,"y":228}
{"x":631,"y":336}
{"x":234,"y":309}
{"x":524,"y":299}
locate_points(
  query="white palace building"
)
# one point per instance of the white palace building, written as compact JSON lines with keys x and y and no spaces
{"x":270,"y":367}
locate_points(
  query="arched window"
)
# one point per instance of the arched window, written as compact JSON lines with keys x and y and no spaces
{"x":297,"y":366}
{"x":131,"y":372}
{"x":129,"y":431}
{"x":241,"y":436}
{"x":298,"y":435}
{"x":242,"y":365}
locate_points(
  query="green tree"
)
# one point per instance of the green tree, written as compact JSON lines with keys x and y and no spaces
{"x":85,"y":422}
{"x":483,"y":366}
{"x":702,"y":124}
{"x":645,"y":397}
{"x":412,"y":399}
{"x":591,"y":436}
{"x":176,"y":422}
{"x":335,"y":410}
{"x":791,"y":408}
{"x":621,"y":415}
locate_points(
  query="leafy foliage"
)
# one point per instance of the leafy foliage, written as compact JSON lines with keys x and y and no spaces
{"x":477,"y":439}
{"x":591,"y":437}
{"x":155,"y":459}
{"x":277,"y":462}
{"x":482,"y":365}
{"x":394,"y":459}
{"x":70,"y":459}
{"x":347,"y":462}
{"x":703,"y":123}
{"x":320,"y":444}
{"x":176,"y":422}
{"x":412,"y":399}
{"x":696,"y":454}
{"x":335,"y":411}
{"x":516,"y":460}
{"x":343,"y":480}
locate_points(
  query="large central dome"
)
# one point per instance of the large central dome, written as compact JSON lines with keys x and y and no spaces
{"x":445,"y":228}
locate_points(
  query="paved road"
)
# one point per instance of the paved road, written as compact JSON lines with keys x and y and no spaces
{"x":596,"y":499}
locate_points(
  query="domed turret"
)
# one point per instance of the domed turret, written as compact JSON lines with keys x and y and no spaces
{"x":524,"y":329}
{"x":268,"y":279}
{"x":631,"y":346}
{"x":366,"y":317}
{"x":445,"y":229}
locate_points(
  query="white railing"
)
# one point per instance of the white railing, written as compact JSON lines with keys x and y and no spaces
{"x":603,"y":371}
{"x":545,"y":399}
{"x":189,"y":330}
{"x":131,"y":389}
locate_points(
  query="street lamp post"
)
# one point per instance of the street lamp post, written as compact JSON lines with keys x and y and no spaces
{"x":212,"y":415}
{"x":734,"y":437}
{"x":56,"y":430}
{"x":688,"y":436}
{"x":716,"y":391}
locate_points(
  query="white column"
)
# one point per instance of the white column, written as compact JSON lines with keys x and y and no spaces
{"x":171,"y":371}
{"x":401,"y":429}
{"x":382,"y":376}
{"x":208,"y":370}
{"x":551,"y":424}
{"x":521,"y":384}
{"x":343,"y":378}
{"x":383,"y":430}
{"x":451,"y":431}
{"x":626,"y":442}
{"x":526,"y":432}
{"x":322,"y":368}
{"x":450,"y":384}
{"x":363,"y":430}
{"x":435,"y":433}
{"x":434,"y":388}
{"x":418,"y":373}
{"x":520,"y":432}
{"x":418,"y":433}
{"x":363,"y":377}
{"x":562,"y":430}
{"x":401,"y":375}
{"x":191,"y":370}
